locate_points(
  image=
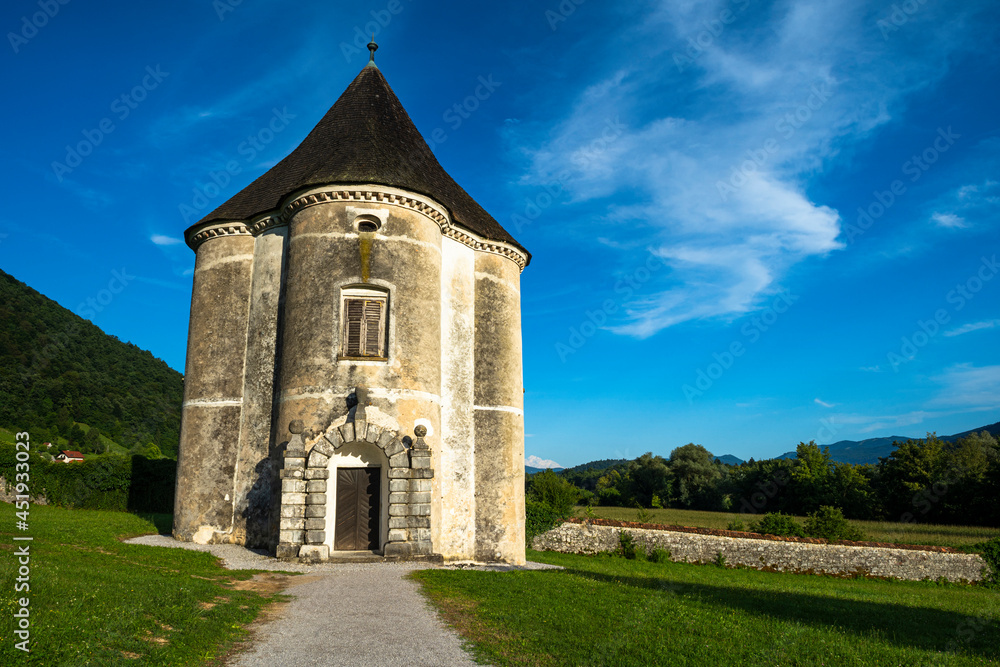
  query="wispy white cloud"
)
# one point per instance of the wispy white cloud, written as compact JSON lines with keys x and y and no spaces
{"x":972,"y":205}
{"x":537,"y":462}
{"x":890,"y":424}
{"x":176,"y":251}
{"x":963,"y":388}
{"x":968,"y":387}
{"x":216,"y":126}
{"x":987,"y":192}
{"x":887,"y":423}
{"x":973,"y":326}
{"x":824,"y":403}
{"x":948,"y":220}
{"x":721,"y":191}
{"x":162,"y":240}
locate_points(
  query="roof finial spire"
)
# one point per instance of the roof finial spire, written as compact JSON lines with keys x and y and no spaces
{"x":373,"y":47}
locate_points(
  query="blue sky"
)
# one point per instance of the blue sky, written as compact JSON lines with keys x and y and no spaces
{"x":753,"y":223}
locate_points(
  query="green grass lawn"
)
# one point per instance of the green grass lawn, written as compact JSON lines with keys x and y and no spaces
{"x":602,"y":610}
{"x":877,"y":531}
{"x":97,"y":601}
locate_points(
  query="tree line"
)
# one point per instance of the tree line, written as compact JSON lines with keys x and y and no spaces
{"x":925,"y":481}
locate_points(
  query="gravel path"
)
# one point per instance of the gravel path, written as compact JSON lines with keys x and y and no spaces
{"x":350,"y":614}
{"x":354,"y":615}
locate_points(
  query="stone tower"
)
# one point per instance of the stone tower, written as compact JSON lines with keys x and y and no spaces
{"x":353,"y":378}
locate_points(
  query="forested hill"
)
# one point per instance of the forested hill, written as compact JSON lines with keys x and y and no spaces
{"x":58,"y":371}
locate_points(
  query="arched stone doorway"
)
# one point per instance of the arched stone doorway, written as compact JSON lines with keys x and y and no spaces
{"x":309,"y":483}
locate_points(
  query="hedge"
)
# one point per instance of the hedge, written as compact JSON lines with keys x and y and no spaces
{"x":109,"y":482}
{"x":539,"y":517}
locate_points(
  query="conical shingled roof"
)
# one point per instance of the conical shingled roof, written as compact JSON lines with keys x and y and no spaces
{"x":365,"y":137}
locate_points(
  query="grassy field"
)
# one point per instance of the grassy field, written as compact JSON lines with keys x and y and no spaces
{"x":96,"y":601}
{"x":877,"y":531}
{"x":602,"y":610}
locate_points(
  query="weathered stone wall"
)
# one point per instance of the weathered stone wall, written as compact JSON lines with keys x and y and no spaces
{"x":499,"y":411}
{"x":325,"y":255}
{"x":204,"y":508}
{"x":255,"y":484}
{"x":453,"y":504}
{"x":771,"y":555}
{"x":8,"y":495}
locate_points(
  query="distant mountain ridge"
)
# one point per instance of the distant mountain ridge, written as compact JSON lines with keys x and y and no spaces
{"x":531,"y":470}
{"x":592,"y":465}
{"x":598,"y":465}
{"x":855,"y":452}
{"x":859,"y":452}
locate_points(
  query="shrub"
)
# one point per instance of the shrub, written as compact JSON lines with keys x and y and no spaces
{"x":736,"y":524}
{"x":609,"y":497}
{"x":776,"y":523}
{"x":642,"y":515}
{"x":549,"y":501}
{"x":720,"y":560}
{"x":829,"y":523}
{"x":539,"y":517}
{"x":991,"y":554}
{"x":658,"y":555}
{"x":626,"y":545}
{"x":549,"y":488}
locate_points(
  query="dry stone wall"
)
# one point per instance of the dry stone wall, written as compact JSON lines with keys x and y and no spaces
{"x":771,"y":555}
{"x":8,"y":495}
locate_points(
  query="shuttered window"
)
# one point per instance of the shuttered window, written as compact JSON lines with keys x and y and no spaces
{"x":364,"y":326}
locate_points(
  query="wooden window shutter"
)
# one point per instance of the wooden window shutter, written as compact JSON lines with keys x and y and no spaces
{"x":364,"y":327}
{"x":374,"y":334}
{"x":355,"y":323}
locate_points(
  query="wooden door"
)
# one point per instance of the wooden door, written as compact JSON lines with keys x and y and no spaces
{"x":357,"y":519}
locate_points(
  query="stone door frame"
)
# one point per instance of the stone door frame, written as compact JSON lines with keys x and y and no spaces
{"x":304,"y":479}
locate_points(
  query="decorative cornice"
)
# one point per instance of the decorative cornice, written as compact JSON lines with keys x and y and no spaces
{"x":213,"y":230}
{"x":258,"y":227}
{"x":462,"y":236}
{"x":315,"y":197}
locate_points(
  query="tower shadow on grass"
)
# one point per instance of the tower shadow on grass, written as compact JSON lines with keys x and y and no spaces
{"x":164,"y":522}
{"x":902,"y":625}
